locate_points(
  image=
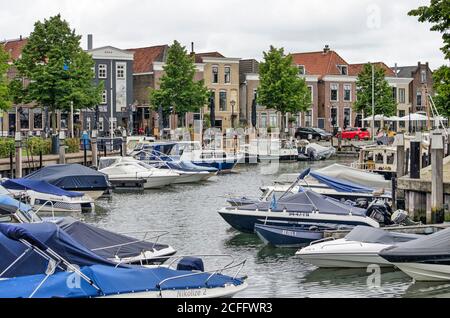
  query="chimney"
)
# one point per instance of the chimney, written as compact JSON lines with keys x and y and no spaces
{"x":396,"y":70}
{"x":90,"y":42}
{"x":192,"y":48}
{"x":326,"y":49}
{"x":20,"y":37}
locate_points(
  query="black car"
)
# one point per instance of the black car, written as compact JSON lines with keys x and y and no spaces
{"x":312,"y":134}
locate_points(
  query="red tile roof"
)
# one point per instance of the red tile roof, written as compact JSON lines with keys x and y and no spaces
{"x":200,"y":56}
{"x":144,"y":57}
{"x":319,"y":63}
{"x":356,"y":69}
{"x":15,"y":47}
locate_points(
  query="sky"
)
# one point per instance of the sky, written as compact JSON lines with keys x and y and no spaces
{"x":359,"y":30}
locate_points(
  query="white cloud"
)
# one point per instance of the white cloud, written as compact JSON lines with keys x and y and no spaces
{"x":360,"y":30}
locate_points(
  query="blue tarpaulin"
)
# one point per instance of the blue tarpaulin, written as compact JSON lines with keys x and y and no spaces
{"x":71,"y":177}
{"x":43,"y":234}
{"x":9,"y":205}
{"x":38,"y":186}
{"x":341,"y":185}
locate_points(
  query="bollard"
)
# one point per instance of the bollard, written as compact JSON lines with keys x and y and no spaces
{"x":94,"y":148}
{"x":18,"y":144}
{"x":436,"y":215}
{"x":124,"y":143}
{"x":400,"y":145}
{"x":62,"y":148}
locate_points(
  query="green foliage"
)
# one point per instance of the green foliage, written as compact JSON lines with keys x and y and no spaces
{"x":73,"y":145}
{"x":59,"y":70}
{"x":177,"y":87}
{"x":441,"y":79}
{"x":35,"y":145}
{"x":5,"y":99}
{"x":6,"y":147}
{"x":384,"y":101}
{"x":206,"y":121}
{"x":280,"y":86}
{"x":438,"y":14}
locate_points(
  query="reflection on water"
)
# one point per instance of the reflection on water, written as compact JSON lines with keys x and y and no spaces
{"x":189,"y":213}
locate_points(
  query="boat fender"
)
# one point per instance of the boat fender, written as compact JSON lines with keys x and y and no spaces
{"x":191,"y":264}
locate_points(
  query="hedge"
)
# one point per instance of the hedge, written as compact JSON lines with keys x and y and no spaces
{"x":6,"y":147}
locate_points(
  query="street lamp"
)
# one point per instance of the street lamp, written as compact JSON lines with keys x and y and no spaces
{"x":232,"y":103}
{"x":373,"y":102}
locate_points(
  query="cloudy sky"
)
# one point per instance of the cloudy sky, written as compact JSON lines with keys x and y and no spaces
{"x":360,"y":30}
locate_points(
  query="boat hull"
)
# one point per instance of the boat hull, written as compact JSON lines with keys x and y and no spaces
{"x":286,"y":236}
{"x":191,"y":178}
{"x":222,"y":166}
{"x":423,"y":272}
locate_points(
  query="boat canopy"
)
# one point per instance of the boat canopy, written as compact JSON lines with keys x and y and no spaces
{"x":437,"y":244}
{"x":71,"y":177}
{"x":96,"y":239}
{"x":44,"y":236}
{"x":341,"y":185}
{"x":111,"y":281}
{"x":190,"y":167}
{"x":39,"y":186}
{"x":10,"y":206}
{"x":365,"y":234}
{"x":307,"y":202}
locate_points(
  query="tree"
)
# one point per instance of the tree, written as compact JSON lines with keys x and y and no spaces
{"x":179,"y":92}
{"x":5,"y":100}
{"x":384,"y":101}
{"x":58,"y":69}
{"x":438,"y":14}
{"x":280,"y":86}
{"x":441,"y":79}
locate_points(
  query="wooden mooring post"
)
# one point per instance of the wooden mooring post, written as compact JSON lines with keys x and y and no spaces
{"x":436,"y":215}
{"x":62,"y":148}
{"x":401,"y":171}
{"x":94,"y":148}
{"x":18,"y":145}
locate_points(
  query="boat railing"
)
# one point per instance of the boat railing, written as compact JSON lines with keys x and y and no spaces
{"x":326,"y":239}
{"x":45,"y":204}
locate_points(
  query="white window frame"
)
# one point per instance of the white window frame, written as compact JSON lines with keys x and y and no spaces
{"x":102,"y":68}
{"x":312,"y":93}
{"x":351,"y":94}
{"x":88,"y":124}
{"x":423,"y":76}
{"x":271,"y":116}
{"x":341,"y":69}
{"x":226,"y":100}
{"x":301,"y":67}
{"x":227,"y":80}
{"x":101,"y":125}
{"x":260,"y":120}
{"x":337,"y":116}
{"x":332,"y":85}
{"x":121,"y":68}
{"x":402,"y":98}
{"x":350,"y":120}
{"x":105,"y":97}
{"x":212,"y":74}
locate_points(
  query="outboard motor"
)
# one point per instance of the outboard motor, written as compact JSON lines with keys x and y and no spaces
{"x":362,"y":203}
{"x":401,"y":217}
{"x":380,"y":212}
{"x":191,"y":264}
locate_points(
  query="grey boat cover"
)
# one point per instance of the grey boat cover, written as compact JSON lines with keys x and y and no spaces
{"x":94,"y":238}
{"x":307,"y":202}
{"x":437,"y":244}
{"x":71,"y":177}
{"x":365,"y":234}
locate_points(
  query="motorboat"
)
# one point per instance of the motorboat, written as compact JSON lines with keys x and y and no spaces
{"x":424,"y":259}
{"x":74,"y":177}
{"x":42,"y":261}
{"x":307,"y":207}
{"x":359,"y":249}
{"x":14,"y":211}
{"x":46,"y":197}
{"x":273,"y":150}
{"x":314,"y":152}
{"x":119,"y":248}
{"x":120,"y":169}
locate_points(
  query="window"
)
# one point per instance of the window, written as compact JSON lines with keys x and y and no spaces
{"x":308,"y":118}
{"x":301,"y":70}
{"x":273,"y":120}
{"x":402,"y":96}
{"x":419,"y":98}
{"x":401,"y":113}
{"x":88,"y":124}
{"x":105,"y":97}
{"x":38,"y":118}
{"x":348,"y":92}
{"x":102,"y":70}
{"x":100,"y":124}
{"x":223,"y":101}
{"x":311,"y":90}
{"x":394,"y":94}
{"x":263,"y":121}
{"x":114,"y":123}
{"x":227,"y":75}
{"x":215,"y":74}
{"x":120,"y":71}
{"x":343,"y":69}
{"x":24,"y":115}
{"x":334,"y":117}
{"x":347,"y":117}
{"x":334,"y":92}
{"x":64,"y":120}
{"x":423,"y":76}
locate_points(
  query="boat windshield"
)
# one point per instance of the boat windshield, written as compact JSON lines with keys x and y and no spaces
{"x":105,"y":163}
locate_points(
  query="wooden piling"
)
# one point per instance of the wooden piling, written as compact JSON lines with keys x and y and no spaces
{"x":436,"y":215}
{"x":18,"y":145}
{"x":94,"y":148}
{"x":124,"y":143}
{"x":62,"y":148}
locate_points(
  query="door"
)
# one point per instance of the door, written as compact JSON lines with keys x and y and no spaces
{"x":321,"y":123}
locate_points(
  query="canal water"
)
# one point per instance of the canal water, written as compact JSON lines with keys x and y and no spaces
{"x":189,"y":214}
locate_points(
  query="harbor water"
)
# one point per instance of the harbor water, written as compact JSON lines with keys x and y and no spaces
{"x":189,"y":214}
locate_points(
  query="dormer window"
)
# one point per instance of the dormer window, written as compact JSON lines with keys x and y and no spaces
{"x":301,"y":70}
{"x":343,"y":69}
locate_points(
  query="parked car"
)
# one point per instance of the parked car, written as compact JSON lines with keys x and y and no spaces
{"x":355,"y":134}
{"x":312,"y":134}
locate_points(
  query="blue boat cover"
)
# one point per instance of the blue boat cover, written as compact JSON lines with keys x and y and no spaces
{"x":42,"y":235}
{"x":71,"y":177}
{"x":9,"y":205}
{"x":111,"y":281}
{"x":341,"y":185}
{"x":39,"y":186}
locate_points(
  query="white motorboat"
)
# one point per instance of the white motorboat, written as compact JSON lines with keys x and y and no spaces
{"x":312,"y":151}
{"x":121,"y":169}
{"x":424,"y":259}
{"x":45,"y":197}
{"x":272,"y":149}
{"x":359,"y":249}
